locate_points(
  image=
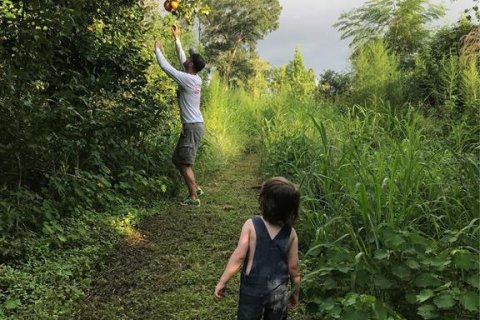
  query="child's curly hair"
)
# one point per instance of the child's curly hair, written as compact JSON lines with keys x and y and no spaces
{"x":279,"y":201}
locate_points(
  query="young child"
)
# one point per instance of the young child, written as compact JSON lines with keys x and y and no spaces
{"x":270,"y":244}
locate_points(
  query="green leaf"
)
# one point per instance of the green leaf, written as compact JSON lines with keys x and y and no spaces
{"x":330,"y":283}
{"x":12,"y":304}
{"x":358,"y":257}
{"x":381,"y":254}
{"x":327,"y":305}
{"x":380,"y":311}
{"x":401,"y":271}
{"x":439,"y":262}
{"x":424,"y":295}
{"x":103,"y":183}
{"x":47,"y":229}
{"x":474,"y":281}
{"x":444,"y":301}
{"x":427,"y":280}
{"x":355,"y":315}
{"x":344,"y":269}
{"x":427,"y":311}
{"x":465,"y":260}
{"x":411,"y":298}
{"x":470,"y":301}
{"x":350,"y":299}
{"x":393,"y":240}
{"x":105,"y":169}
{"x":335,"y":312}
{"x":382,"y":282}
{"x":412,"y":264}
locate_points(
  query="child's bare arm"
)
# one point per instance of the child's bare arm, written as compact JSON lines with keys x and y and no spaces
{"x":294,"y":268}
{"x":236,"y":259}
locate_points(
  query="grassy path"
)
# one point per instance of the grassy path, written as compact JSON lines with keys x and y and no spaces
{"x":168,"y":270}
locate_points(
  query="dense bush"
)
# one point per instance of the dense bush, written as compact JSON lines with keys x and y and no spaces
{"x":88,"y":124}
{"x":80,"y":118}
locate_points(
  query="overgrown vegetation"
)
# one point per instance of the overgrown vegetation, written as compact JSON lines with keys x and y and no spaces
{"x":391,"y":212}
{"x":87,"y":132}
{"x":390,"y":179}
{"x":386,"y":156}
{"x":389,"y":176}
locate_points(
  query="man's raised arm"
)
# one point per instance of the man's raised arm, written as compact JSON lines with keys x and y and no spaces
{"x":178,"y":45}
{"x":180,"y":77}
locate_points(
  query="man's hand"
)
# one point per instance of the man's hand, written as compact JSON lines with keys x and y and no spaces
{"x":220,"y":291}
{"x":158,"y":44}
{"x":176,"y":32}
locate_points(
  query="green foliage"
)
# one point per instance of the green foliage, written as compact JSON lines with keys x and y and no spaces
{"x":416,"y":276}
{"x":87,"y":123}
{"x":390,"y":198}
{"x":188,"y":10}
{"x":470,"y":89}
{"x":390,"y":214}
{"x":301,"y":79}
{"x":445,"y":76}
{"x":401,"y":23}
{"x":294,"y":78}
{"x":257,"y":83}
{"x":80,"y":115}
{"x":278,"y":79}
{"x":448,"y":76}
{"x":61,"y":262}
{"x":231,"y":120}
{"x":377,"y":75}
{"x":333,"y":84}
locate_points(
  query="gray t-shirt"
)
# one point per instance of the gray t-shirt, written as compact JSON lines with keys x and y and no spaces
{"x":190,"y":86}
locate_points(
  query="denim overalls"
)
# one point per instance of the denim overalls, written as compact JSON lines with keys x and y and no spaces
{"x":264,"y":291}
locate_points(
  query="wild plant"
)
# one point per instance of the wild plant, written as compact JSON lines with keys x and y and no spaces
{"x":470,"y":89}
{"x":377,"y":75}
{"x":389,"y":214}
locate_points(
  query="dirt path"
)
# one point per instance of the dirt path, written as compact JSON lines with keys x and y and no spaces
{"x":169,"y":270}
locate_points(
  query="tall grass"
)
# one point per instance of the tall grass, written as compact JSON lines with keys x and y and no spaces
{"x":382,"y":195}
{"x":390,"y":225}
{"x":449,"y":74}
{"x":231,"y":118}
{"x":470,"y":88}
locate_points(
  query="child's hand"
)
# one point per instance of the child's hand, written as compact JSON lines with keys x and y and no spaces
{"x":220,"y":291}
{"x":293,"y":301}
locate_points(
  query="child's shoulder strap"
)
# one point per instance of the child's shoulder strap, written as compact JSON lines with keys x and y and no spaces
{"x":259,"y":226}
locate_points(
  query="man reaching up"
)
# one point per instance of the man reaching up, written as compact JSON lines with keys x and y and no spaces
{"x":189,"y":92}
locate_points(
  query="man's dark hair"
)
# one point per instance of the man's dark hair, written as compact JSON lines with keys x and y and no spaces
{"x":280,"y":201}
{"x":198,"y":62}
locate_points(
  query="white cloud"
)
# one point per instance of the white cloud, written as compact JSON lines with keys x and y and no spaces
{"x":308,"y":24}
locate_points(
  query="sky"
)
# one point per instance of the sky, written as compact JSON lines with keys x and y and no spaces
{"x":308,"y":24}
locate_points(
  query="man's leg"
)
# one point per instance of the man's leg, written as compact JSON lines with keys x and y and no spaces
{"x":187,"y":172}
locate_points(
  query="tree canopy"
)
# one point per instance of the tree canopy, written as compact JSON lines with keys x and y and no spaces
{"x":401,"y":23}
{"x":234,"y":26}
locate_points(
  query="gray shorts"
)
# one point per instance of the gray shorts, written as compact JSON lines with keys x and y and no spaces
{"x":188,"y":143}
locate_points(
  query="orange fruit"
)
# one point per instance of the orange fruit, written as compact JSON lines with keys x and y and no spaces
{"x":167,"y":5}
{"x":174,"y":5}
